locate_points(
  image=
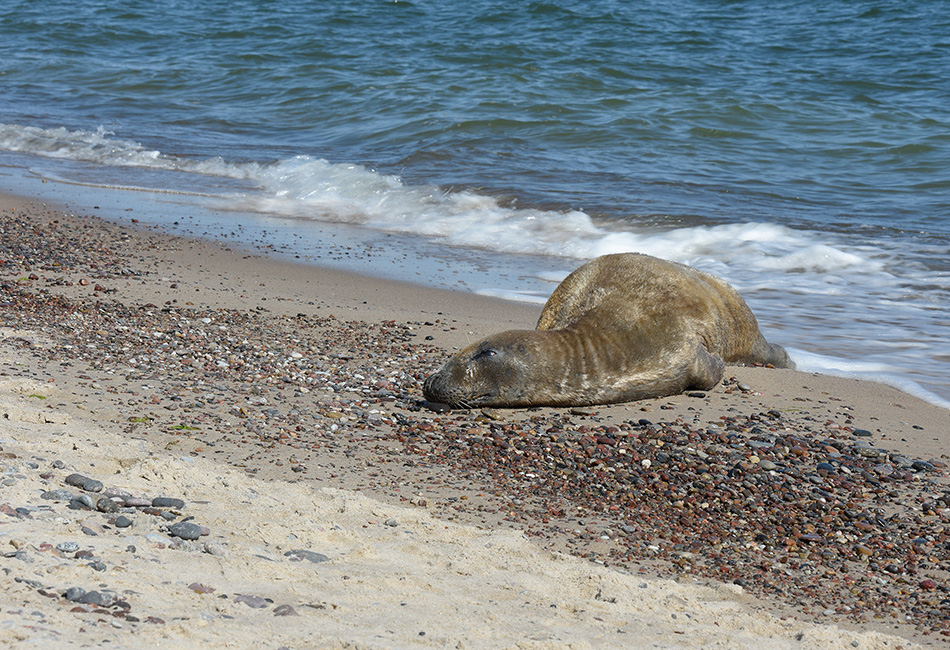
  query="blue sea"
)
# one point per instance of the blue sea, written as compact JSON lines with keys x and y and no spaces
{"x":801,"y":150}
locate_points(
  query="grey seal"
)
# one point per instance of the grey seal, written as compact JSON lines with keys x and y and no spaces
{"x":620,"y":328}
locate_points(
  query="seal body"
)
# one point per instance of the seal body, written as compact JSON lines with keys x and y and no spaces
{"x":620,"y":328}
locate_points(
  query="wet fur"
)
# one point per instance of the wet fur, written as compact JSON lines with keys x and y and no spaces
{"x":620,"y":328}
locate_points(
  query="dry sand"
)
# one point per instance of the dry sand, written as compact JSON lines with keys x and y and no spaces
{"x":453,"y":569}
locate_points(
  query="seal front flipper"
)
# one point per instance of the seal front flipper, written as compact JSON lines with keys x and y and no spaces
{"x":705,"y":371}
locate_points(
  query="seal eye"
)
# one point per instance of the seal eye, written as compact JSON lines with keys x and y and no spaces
{"x":484,"y":354}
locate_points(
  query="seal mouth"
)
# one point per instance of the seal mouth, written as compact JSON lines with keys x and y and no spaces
{"x":436,"y":389}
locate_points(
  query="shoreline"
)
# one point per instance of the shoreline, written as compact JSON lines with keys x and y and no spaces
{"x":309,"y":379}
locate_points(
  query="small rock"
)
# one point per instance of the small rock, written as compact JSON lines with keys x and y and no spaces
{"x":745,"y":388}
{"x":767,"y":465}
{"x":157,"y":538}
{"x":863,"y":433}
{"x":298,"y":555}
{"x":185,"y":530}
{"x":696,"y":393}
{"x":67,"y":547}
{"x":74,"y":594}
{"x":59,"y":494}
{"x":95,"y":598}
{"x":215,"y":548}
{"x":391,"y":522}
{"x":84,"y":483}
{"x":168,"y":502}
{"x":285,"y":610}
{"x":105,"y":504}
{"x":136,"y":502}
{"x":255,"y":602}
{"x":83,"y":501}
{"x":883,"y":469}
{"x":922,"y":466}
{"x":122,"y":522}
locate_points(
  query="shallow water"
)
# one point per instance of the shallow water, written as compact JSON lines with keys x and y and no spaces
{"x":800,"y":151}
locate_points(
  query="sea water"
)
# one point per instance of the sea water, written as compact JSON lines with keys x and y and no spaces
{"x":799,"y":150}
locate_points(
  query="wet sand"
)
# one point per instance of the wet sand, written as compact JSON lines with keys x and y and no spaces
{"x":282,"y":404}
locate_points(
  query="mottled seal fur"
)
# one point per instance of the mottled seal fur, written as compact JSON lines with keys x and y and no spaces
{"x":620,"y":328}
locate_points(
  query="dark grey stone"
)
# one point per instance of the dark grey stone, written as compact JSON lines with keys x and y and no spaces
{"x":84,"y":483}
{"x":298,"y":555}
{"x":105,"y":504}
{"x":74,"y":593}
{"x":185,"y":530}
{"x":168,"y":502}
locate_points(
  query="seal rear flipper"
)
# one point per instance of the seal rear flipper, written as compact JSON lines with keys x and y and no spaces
{"x":769,"y":354}
{"x":705,"y":371}
{"x":779,"y":358}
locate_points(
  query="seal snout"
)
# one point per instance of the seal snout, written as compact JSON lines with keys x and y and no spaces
{"x":432,"y":387}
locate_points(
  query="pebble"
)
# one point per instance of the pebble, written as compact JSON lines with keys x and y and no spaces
{"x":84,"y":483}
{"x":922,"y":466}
{"x":255,"y":602}
{"x":168,"y":502}
{"x":745,"y":388}
{"x":90,"y":527}
{"x":74,"y":593}
{"x":59,"y":494}
{"x":107,"y":505}
{"x":215,"y":548}
{"x":82,"y":501}
{"x":883,"y":469}
{"x":285,"y":610}
{"x":391,"y":522}
{"x":185,"y":530}
{"x":863,"y":433}
{"x":136,"y":502}
{"x":767,"y":465}
{"x":157,"y":538}
{"x":122,"y":522}
{"x":67,"y":547}
{"x":95,"y":598}
{"x":298,"y":555}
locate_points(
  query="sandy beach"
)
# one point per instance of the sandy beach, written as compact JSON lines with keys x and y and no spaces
{"x":308,"y":499}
